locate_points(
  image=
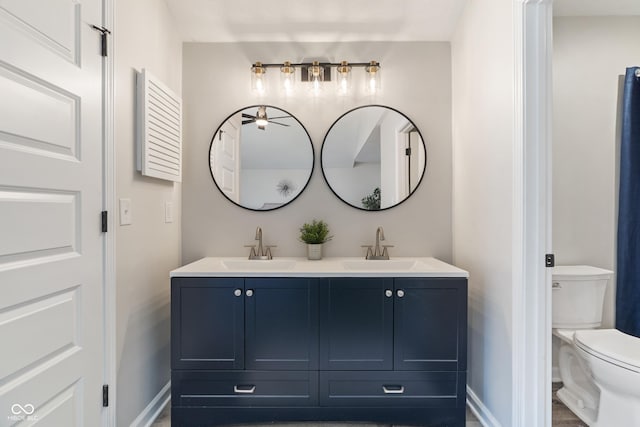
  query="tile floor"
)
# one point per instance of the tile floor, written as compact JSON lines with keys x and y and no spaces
{"x":561,"y":417}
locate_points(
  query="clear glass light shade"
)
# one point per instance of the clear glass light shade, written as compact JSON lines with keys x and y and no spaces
{"x":343,"y":78}
{"x":287,"y":78}
{"x":258,"y":79}
{"x":372,"y":78}
{"x":316,"y":77}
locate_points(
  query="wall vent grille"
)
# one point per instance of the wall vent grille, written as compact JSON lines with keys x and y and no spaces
{"x":159,"y":147}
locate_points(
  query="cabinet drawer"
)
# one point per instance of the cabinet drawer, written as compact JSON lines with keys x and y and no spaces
{"x":244,"y":388}
{"x":391,"y":388}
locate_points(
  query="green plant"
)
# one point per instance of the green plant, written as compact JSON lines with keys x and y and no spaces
{"x":315,"y":232}
{"x":372,"y":201}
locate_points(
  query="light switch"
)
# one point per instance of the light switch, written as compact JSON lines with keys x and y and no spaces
{"x":168,"y":212}
{"x":126,"y":216}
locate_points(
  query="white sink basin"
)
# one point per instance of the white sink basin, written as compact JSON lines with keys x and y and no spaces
{"x":379,"y":265}
{"x":259,"y":264}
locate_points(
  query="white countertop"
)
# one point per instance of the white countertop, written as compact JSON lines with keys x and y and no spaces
{"x":327,"y":267}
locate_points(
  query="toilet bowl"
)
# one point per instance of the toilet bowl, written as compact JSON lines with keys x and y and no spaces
{"x":612,"y":358}
{"x":578,"y":297}
{"x":579,"y":393}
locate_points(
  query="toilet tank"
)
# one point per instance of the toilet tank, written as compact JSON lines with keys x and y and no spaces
{"x":578,"y":296}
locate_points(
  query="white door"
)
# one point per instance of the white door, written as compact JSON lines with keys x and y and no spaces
{"x":225,"y":159}
{"x":51,"y":256}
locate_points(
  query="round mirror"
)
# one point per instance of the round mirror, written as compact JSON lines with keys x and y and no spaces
{"x":261,"y":158}
{"x":373,"y":157}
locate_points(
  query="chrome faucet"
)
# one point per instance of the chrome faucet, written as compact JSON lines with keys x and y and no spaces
{"x":378,"y":253}
{"x":261,"y":252}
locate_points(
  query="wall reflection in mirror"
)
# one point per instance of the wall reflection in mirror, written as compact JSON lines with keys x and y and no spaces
{"x":373,"y":157}
{"x":261,"y":157}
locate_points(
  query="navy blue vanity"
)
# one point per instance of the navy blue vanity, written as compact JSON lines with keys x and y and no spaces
{"x":318,"y":342}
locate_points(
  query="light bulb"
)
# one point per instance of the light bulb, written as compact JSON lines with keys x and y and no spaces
{"x":373,"y":77}
{"x":258,"y":78}
{"x":344,"y":78}
{"x":316,"y":76}
{"x":287,"y":77}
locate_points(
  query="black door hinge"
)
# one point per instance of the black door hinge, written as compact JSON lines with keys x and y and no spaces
{"x":103,"y":221}
{"x":105,"y":395}
{"x":103,"y":38}
{"x":407,"y":151}
{"x":549,"y":260}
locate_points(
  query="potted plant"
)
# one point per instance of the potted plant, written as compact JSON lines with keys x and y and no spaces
{"x":314,"y":234}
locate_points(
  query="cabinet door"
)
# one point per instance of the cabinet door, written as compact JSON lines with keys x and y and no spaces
{"x":430,"y":324}
{"x":356,"y":324}
{"x":281,"y":323}
{"x":207,"y":323}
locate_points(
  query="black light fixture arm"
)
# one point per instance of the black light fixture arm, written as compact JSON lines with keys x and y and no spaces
{"x":322,"y":64}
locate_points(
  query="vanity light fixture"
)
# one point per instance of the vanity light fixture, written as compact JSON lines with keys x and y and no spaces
{"x":259,"y":78}
{"x":316,"y":77}
{"x":344,"y":78}
{"x":287,"y":77}
{"x":372,"y":84}
{"x":316,"y":73}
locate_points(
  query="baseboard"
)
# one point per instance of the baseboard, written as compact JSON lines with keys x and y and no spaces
{"x":154,"y":408}
{"x":481,"y":412}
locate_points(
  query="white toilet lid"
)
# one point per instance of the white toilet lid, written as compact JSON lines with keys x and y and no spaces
{"x":611,"y":345}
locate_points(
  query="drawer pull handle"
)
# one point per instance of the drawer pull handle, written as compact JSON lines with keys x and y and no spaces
{"x":393,"y":389}
{"x":244,"y":389}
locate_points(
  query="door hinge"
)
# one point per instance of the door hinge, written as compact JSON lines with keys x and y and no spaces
{"x":103,"y":38}
{"x":549,"y":260}
{"x":105,"y":395}
{"x":407,"y":151}
{"x":103,"y":222}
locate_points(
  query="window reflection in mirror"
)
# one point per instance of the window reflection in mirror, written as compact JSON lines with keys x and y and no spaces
{"x":261,"y":157}
{"x":373,"y":157}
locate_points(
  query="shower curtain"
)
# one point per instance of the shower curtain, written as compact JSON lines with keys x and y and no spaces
{"x":628,"y":266}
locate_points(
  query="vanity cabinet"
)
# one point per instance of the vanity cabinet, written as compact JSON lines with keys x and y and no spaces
{"x":374,"y":349}
{"x":253,"y":323}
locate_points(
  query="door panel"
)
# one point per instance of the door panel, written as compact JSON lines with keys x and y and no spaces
{"x":430,"y":320}
{"x":356,"y":324}
{"x":225,"y":159}
{"x":281,"y":323}
{"x":207,"y":323}
{"x":51,"y":256}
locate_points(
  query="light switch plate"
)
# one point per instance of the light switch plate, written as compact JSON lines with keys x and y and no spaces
{"x":168,"y":212}
{"x":126,"y":216}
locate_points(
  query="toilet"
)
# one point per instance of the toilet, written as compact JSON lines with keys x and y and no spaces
{"x":600,"y":368}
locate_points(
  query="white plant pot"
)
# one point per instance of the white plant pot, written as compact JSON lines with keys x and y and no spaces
{"x":314,"y":251}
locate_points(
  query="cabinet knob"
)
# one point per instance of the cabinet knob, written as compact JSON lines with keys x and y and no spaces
{"x":400,"y":293}
{"x":388,"y":293}
{"x":237,"y":292}
{"x":249,"y":292}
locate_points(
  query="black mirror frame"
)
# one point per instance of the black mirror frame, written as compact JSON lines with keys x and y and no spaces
{"x":424,"y":171}
{"x":313,"y":157}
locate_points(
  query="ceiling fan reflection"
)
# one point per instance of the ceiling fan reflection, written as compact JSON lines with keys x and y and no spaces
{"x":261,"y":119}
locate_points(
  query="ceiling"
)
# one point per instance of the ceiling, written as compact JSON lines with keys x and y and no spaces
{"x":344,"y":20}
{"x":316,"y":21}
{"x":596,"y":7}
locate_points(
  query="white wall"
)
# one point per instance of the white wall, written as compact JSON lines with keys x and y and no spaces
{"x":590,"y":57}
{"x":416,"y":81}
{"x":146,"y":250}
{"x":482,"y":53}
